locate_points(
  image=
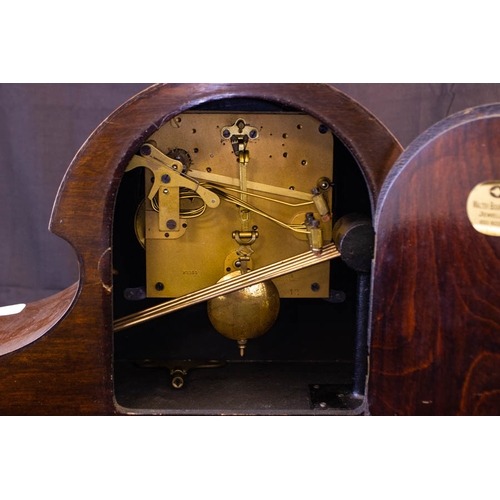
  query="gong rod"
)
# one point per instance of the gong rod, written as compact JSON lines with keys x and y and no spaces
{"x":269,"y":272}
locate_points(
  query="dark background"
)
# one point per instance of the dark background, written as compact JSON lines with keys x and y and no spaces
{"x":42,"y":126}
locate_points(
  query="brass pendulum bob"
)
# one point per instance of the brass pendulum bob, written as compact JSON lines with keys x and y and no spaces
{"x":246,"y":313}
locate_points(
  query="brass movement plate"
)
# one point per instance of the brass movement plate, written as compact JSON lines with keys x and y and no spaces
{"x":290,"y":154}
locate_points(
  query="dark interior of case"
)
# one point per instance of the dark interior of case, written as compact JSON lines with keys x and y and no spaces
{"x":312,"y":361}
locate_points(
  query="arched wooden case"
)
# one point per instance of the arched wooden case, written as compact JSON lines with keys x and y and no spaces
{"x":423,"y":337}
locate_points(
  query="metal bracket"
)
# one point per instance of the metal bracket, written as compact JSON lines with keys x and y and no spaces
{"x":179,"y":369}
{"x":167,"y":181}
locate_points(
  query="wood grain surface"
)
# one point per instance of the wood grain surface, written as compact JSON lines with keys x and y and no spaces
{"x":19,"y":330}
{"x":69,"y":369}
{"x":435,"y":340}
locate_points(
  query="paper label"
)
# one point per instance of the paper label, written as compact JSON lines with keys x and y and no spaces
{"x":483,"y":208}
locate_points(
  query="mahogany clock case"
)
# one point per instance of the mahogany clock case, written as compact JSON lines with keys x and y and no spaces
{"x":312,"y":362}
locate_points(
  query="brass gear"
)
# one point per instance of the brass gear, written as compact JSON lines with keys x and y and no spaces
{"x":182,"y":156}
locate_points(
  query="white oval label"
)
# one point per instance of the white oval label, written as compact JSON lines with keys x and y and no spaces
{"x":483,"y":208}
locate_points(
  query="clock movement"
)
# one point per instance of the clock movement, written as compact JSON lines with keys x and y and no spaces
{"x":225,"y":265}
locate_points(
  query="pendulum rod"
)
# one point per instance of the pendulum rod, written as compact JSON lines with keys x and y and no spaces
{"x":250,"y":278}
